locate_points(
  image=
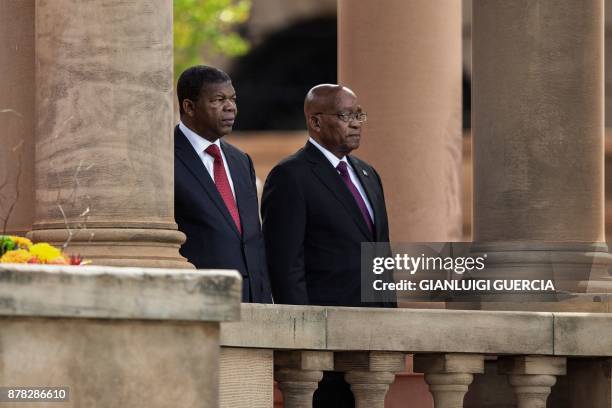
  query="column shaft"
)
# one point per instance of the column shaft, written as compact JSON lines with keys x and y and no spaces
{"x":17,"y":119}
{"x":403,"y":60}
{"x":104,"y":148}
{"x":538,"y":120}
{"x":538,"y":93}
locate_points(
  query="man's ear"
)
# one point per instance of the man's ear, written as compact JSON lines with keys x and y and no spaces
{"x":188,"y":107}
{"x":315,"y":123}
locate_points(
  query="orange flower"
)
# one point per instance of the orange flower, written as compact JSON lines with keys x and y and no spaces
{"x":16,"y":256}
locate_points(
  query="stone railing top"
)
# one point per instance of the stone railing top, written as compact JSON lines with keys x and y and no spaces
{"x":119,"y":293}
{"x":420,"y":330}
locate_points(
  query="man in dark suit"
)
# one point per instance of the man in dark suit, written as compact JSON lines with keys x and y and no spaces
{"x":318,"y":206}
{"x":215,"y":198}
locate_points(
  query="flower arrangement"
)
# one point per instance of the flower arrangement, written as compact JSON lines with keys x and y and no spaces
{"x":15,"y":249}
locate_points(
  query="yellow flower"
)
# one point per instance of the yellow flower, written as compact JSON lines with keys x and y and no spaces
{"x":16,"y":256}
{"x":45,"y":252}
{"x":21,"y":241}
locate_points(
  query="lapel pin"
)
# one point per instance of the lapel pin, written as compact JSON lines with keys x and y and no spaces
{"x":365,"y":173}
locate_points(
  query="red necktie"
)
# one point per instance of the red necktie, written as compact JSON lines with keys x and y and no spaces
{"x":223,"y":185}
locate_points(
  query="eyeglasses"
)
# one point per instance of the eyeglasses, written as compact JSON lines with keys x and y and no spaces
{"x":348,"y":116}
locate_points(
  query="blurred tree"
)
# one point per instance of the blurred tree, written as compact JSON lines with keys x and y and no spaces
{"x":205,"y":28}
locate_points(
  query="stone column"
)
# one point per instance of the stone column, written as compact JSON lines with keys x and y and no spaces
{"x":369,"y":374}
{"x":532,"y":377}
{"x":538,"y":145}
{"x":406,"y":71}
{"x":17,"y":116}
{"x":104,"y":144}
{"x":298,"y":374}
{"x":448,"y":376}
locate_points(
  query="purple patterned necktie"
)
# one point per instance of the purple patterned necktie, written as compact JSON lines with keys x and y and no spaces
{"x":343,"y":170}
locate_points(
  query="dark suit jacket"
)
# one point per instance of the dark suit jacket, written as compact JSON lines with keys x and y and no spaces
{"x":213,"y":240}
{"x":313,"y":230}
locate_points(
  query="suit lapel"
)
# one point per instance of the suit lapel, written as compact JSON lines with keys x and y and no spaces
{"x":184,"y":151}
{"x":329,"y":176}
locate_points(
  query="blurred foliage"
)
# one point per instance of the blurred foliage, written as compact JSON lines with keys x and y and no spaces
{"x":205,"y":28}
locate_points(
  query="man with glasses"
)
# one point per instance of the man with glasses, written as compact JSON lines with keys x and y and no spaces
{"x":317,"y":207}
{"x":215,"y":198}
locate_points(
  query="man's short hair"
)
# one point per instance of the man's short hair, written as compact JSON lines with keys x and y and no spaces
{"x":192,"y":79}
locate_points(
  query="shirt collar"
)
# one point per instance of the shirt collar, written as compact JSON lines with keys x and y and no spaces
{"x":198,"y":142}
{"x":329,"y":155}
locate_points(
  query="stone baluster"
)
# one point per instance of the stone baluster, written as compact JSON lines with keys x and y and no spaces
{"x":298,"y":374}
{"x":448,"y":376}
{"x":369,"y":374}
{"x":532,"y":377}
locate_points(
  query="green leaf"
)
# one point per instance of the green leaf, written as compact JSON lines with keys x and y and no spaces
{"x":205,"y":29}
{"x":6,"y":244}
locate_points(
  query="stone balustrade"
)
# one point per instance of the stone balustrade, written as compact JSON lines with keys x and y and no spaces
{"x":293,"y":345}
{"x":153,"y":338}
{"x":116,"y":337}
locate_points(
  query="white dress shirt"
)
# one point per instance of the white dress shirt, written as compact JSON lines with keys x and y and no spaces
{"x":334,"y":162}
{"x":200,"y":145}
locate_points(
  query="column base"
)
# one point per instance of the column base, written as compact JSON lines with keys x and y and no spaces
{"x":601,"y":285}
{"x":579,"y":272}
{"x":574,"y":268}
{"x":142,"y":247}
